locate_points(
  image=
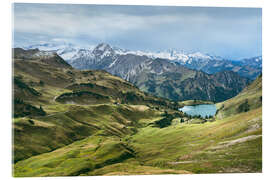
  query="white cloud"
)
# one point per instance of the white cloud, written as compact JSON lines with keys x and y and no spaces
{"x":67,"y":24}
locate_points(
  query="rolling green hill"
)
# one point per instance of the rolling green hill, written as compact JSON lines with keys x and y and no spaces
{"x":98,"y":124}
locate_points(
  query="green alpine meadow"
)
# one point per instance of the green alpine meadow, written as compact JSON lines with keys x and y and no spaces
{"x":86,"y":108}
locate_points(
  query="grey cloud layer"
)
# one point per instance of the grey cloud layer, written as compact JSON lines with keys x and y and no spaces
{"x":232,"y":32}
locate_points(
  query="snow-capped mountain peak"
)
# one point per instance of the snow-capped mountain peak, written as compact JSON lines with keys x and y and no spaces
{"x":103,"y":47}
{"x":102,"y":50}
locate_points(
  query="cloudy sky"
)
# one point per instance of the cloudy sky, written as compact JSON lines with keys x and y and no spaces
{"x":229,"y":32}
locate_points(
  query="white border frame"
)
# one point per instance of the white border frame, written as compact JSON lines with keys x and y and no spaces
{"x":6,"y":71}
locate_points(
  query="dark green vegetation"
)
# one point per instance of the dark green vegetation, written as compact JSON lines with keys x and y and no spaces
{"x":22,"y":109}
{"x":82,"y":97}
{"x":98,"y":124}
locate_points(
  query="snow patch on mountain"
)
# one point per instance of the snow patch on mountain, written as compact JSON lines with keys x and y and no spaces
{"x":113,"y":63}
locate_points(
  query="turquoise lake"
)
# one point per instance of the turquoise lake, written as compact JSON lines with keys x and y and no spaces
{"x":202,"y":109}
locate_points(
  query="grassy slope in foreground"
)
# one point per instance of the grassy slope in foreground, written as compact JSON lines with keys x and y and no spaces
{"x":230,"y":144}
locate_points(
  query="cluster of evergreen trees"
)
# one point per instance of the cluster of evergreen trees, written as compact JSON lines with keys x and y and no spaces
{"x":22,"y":109}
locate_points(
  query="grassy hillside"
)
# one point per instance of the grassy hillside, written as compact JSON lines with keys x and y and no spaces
{"x":250,"y":98}
{"x":98,"y":124}
{"x":229,"y":145}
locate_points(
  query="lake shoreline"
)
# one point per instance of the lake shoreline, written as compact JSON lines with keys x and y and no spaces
{"x":203,"y":110}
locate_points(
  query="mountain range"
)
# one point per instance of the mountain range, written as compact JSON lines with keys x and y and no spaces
{"x":248,"y":67}
{"x":160,"y":77}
